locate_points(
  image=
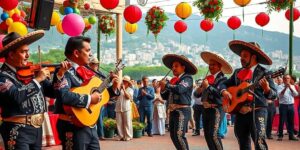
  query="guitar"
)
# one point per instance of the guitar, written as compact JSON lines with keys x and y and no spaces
{"x":88,"y":116}
{"x":241,"y":94}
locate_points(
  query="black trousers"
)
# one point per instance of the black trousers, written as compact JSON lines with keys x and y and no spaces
{"x":271,"y":112}
{"x":76,"y":138}
{"x":198,"y":112}
{"x":21,"y":137}
{"x":211,"y":121}
{"x":286,"y":115}
{"x":244,"y":128}
{"x":178,"y":126}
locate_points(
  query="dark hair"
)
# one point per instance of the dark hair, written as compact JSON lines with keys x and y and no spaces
{"x":75,"y":43}
{"x":138,"y":82}
{"x":144,"y":77}
{"x":154,"y":80}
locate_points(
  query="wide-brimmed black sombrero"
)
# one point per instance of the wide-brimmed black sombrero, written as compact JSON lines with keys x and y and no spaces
{"x":13,"y":40}
{"x":190,"y":68}
{"x":237,"y":46}
{"x":208,"y":56}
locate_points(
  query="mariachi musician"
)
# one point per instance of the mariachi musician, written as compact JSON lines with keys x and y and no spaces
{"x":21,"y":96}
{"x":246,"y":125}
{"x":211,"y":97}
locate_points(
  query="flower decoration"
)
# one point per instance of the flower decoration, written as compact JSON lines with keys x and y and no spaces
{"x":278,"y":5}
{"x":155,"y":20}
{"x":107,"y":25}
{"x":211,"y":9}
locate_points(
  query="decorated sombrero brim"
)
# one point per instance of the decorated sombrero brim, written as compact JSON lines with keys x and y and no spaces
{"x":208,"y":56}
{"x":190,"y":68}
{"x":237,"y":46}
{"x":15,"y":41}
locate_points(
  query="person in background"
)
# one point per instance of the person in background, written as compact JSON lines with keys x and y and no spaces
{"x":136,"y":88}
{"x":145,"y":98}
{"x":159,"y":113}
{"x":198,"y":110}
{"x":123,"y":110}
{"x":286,"y":94}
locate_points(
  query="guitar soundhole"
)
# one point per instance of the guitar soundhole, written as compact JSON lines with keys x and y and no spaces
{"x":239,"y":93}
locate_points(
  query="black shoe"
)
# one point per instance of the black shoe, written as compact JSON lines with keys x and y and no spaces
{"x":279,"y":139}
{"x":293,"y":138}
{"x":150,"y":135}
{"x":270,"y":137}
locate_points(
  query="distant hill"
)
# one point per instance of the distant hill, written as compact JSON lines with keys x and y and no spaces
{"x":218,"y":38}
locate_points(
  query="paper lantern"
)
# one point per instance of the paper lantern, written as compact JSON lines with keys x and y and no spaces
{"x":183,"y":10}
{"x":296,"y":14}
{"x":242,"y":3}
{"x":180,"y":26}
{"x":87,"y":6}
{"x":59,"y":28}
{"x":131,"y":28}
{"x":109,"y":4}
{"x":55,"y":19}
{"x":206,"y":25}
{"x":9,"y":4}
{"x":132,"y":14}
{"x":262,"y":19}
{"x":234,"y":22}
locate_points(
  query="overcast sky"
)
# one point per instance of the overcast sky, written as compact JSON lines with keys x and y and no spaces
{"x":278,"y":22}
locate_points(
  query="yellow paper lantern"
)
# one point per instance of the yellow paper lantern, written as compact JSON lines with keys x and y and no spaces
{"x":131,"y":28}
{"x":55,"y":18}
{"x":18,"y":27}
{"x":9,"y":21}
{"x":242,"y":3}
{"x":183,"y":10}
{"x":59,"y":28}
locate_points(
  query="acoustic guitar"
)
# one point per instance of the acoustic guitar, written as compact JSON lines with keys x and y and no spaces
{"x":88,"y":116}
{"x":241,"y":93}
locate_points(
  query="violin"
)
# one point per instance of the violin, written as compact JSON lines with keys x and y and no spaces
{"x":29,"y":71}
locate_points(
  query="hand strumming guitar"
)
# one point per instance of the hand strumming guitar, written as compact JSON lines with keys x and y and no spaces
{"x":96,"y":98}
{"x":265,"y":85}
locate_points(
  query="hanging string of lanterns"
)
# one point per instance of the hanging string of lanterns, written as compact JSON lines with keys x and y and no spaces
{"x":183,"y":10}
{"x":242,"y":3}
{"x":262,"y":19}
{"x":132,"y":15}
{"x":234,"y":23}
{"x":180,"y":27}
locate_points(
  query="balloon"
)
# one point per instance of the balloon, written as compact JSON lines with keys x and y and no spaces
{"x":92,"y":19}
{"x":59,"y":28}
{"x":66,"y":3}
{"x":296,"y":14}
{"x":3,"y":26}
{"x":9,"y":4}
{"x":55,"y":18}
{"x":4,"y":16}
{"x":183,"y":10}
{"x":109,"y":4}
{"x":86,"y":22}
{"x":68,"y":10}
{"x":18,"y":27}
{"x":62,"y":10}
{"x":87,"y":6}
{"x":73,"y":24}
{"x":17,"y":11}
{"x":1,"y":38}
{"x":23,"y":14}
{"x":16,"y":17}
{"x":11,"y":12}
{"x":76,"y":11}
{"x":131,"y":28}
{"x":9,"y":21}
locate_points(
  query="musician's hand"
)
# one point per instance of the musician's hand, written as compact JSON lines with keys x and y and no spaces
{"x":65,"y":66}
{"x":226,"y":95}
{"x":206,"y":105}
{"x":205,"y":83}
{"x":43,"y":74}
{"x":245,"y":109}
{"x":113,"y":75}
{"x":265,"y":85}
{"x":96,"y":98}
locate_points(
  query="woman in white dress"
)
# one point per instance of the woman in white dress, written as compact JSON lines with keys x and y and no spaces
{"x":159,"y":114}
{"x":123,"y":110}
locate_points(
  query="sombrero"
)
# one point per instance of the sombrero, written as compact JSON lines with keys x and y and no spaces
{"x":207,"y":56}
{"x":127,"y":79}
{"x":13,"y":40}
{"x":237,"y":46}
{"x":190,"y":68}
